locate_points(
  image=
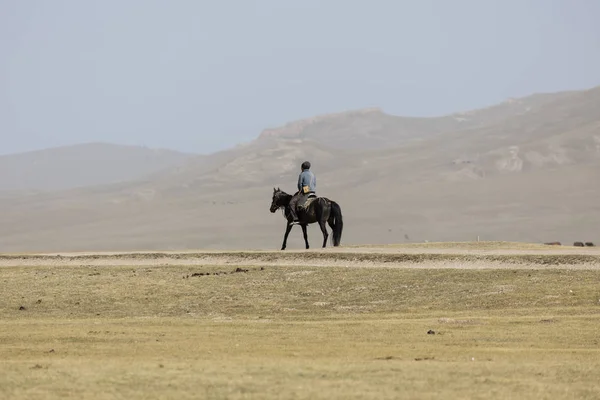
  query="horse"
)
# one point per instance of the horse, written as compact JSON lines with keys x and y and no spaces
{"x":320,"y":209}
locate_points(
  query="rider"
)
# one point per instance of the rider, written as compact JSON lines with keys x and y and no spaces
{"x":307,"y":184}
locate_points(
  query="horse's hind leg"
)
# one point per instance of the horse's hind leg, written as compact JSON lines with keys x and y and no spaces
{"x":324,"y":230}
{"x":322,"y":218}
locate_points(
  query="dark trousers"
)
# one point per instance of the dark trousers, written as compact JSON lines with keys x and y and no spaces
{"x":298,"y":197}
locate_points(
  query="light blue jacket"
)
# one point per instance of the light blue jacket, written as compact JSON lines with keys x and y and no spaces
{"x":307,"y":178}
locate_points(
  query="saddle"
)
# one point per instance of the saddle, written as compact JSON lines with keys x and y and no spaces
{"x":309,"y":199}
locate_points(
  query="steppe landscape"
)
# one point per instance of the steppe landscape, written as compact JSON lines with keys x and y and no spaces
{"x":523,"y":170}
{"x":167,"y":281}
{"x":437,"y":320}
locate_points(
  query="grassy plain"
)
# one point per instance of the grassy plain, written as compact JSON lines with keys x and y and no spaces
{"x":300,"y":331}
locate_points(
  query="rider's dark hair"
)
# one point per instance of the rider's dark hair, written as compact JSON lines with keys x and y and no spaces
{"x":306,"y":165}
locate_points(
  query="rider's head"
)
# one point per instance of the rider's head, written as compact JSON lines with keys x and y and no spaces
{"x":305,"y":165}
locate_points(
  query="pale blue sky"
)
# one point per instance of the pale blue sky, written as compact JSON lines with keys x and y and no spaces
{"x":202,"y":75}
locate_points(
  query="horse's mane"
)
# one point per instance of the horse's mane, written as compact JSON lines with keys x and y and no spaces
{"x":288,"y":197}
{"x":284,"y":194}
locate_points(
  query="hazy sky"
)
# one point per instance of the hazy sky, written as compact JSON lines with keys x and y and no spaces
{"x":202,"y":75}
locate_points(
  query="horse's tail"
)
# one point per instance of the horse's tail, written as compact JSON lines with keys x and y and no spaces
{"x":338,"y":223}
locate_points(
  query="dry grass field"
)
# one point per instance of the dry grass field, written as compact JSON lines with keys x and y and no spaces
{"x":461,"y":320}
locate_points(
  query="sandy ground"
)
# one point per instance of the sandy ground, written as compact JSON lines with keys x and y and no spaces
{"x":465,"y":255}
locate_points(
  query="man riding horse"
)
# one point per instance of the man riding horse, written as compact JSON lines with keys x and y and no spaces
{"x":307,"y":184}
{"x":321,"y":210}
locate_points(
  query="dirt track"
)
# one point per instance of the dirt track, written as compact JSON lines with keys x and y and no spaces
{"x":440,"y":255}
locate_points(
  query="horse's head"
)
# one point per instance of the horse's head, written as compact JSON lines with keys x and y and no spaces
{"x":278,"y":201}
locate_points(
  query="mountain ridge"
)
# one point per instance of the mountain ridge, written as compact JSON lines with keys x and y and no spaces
{"x":523,"y":171}
{"x":82,"y":165}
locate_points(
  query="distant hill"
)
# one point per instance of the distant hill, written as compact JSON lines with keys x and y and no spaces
{"x":531,"y":132}
{"x":526,"y":169}
{"x":82,"y":165}
{"x":371,"y":128}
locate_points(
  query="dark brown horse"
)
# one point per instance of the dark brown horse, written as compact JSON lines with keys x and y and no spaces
{"x":320,"y":210}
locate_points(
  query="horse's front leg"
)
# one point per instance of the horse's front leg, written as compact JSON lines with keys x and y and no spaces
{"x":288,"y":228}
{"x":305,"y":233}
